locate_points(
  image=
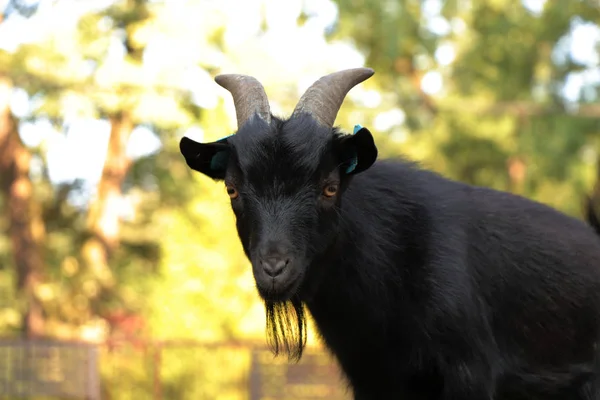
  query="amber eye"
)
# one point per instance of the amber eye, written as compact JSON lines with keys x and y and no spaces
{"x":330,"y":190}
{"x":232,"y":192}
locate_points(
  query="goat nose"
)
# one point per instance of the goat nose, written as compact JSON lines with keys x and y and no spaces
{"x":274,"y":266}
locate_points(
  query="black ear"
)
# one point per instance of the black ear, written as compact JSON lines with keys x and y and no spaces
{"x":358,"y":151}
{"x":207,"y":158}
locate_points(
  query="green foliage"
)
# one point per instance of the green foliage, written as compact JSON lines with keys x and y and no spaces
{"x":176,"y":370}
{"x":179,"y":264}
{"x":504,"y":55}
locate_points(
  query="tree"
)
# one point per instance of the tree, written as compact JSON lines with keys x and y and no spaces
{"x":501,"y":117}
{"x":25,"y":223}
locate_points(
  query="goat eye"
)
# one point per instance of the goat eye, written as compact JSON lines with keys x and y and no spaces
{"x":232,"y":192}
{"x":330,"y":190}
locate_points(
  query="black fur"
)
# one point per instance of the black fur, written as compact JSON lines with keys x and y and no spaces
{"x":422,"y":287}
{"x":591,"y":216}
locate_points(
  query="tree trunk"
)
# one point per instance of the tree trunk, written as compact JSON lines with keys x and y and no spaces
{"x":517,"y":172}
{"x":26,"y":227}
{"x":103,"y":217}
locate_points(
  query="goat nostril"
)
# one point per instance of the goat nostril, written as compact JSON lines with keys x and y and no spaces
{"x":274,"y":266}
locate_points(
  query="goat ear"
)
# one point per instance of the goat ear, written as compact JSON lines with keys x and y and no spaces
{"x":358,"y":151}
{"x":209,"y":159}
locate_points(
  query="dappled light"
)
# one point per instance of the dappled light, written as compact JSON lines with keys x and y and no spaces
{"x":109,"y":239}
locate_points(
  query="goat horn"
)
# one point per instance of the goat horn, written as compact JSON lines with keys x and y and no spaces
{"x":249,"y":97}
{"x":325,"y":97}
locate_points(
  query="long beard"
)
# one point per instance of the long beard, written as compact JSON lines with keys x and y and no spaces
{"x":286,"y":327}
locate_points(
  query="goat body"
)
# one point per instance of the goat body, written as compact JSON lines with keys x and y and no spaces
{"x":422,"y":287}
{"x":441,"y":290}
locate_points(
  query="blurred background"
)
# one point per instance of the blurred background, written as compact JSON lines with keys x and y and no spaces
{"x":121,"y":275}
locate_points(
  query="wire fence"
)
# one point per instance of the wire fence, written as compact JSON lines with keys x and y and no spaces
{"x":162,"y":370}
{"x":42,"y":367}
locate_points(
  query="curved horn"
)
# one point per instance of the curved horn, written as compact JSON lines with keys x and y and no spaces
{"x":325,"y":97}
{"x":249,"y":97}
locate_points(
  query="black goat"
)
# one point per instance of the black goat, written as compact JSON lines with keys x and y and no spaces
{"x":422,"y":287}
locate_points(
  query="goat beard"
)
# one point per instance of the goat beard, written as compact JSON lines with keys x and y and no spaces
{"x":286,"y":327}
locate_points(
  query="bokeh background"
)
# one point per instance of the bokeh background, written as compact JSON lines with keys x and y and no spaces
{"x":107,"y":238}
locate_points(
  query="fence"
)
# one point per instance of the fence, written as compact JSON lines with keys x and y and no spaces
{"x":163,"y":370}
{"x":58,"y":369}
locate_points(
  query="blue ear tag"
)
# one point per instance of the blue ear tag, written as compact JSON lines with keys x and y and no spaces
{"x":354,"y":161}
{"x":219,"y":160}
{"x":225,"y":138}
